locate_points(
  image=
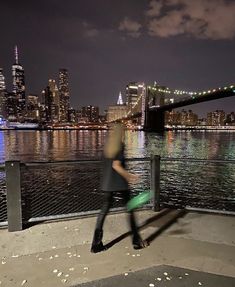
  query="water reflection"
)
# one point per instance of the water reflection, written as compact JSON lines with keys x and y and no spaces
{"x":72,"y":145}
{"x":182,"y":183}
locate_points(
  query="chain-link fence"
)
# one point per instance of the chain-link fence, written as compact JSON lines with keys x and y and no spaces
{"x":3,"y":197}
{"x":51,"y":190}
{"x":65,"y":189}
{"x":199,"y":184}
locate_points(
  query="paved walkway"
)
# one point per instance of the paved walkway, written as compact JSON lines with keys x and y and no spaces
{"x":57,"y":254}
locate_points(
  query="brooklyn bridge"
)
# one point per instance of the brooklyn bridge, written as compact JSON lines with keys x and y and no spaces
{"x":152,"y":102}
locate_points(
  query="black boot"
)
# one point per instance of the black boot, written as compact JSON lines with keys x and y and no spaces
{"x":138,"y":243}
{"x":97,"y":245}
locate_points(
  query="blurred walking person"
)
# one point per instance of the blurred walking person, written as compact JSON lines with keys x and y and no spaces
{"x":115,"y":180}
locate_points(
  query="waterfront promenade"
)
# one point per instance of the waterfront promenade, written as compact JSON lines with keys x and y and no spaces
{"x":58,"y":253}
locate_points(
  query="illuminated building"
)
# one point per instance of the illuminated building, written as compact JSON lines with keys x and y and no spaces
{"x":32,"y":108}
{"x":186,"y":118}
{"x":172,"y":118}
{"x":19,"y":86}
{"x":46,"y":107}
{"x":11,"y":107}
{"x":117,"y":112}
{"x":120,"y":100}
{"x":216,"y":118}
{"x":230,"y":119}
{"x":50,"y":103}
{"x":64,"y":95}
{"x":55,"y":105}
{"x":72,"y":115}
{"x":134,"y":92}
{"x":3,"y":95}
{"x":90,"y":114}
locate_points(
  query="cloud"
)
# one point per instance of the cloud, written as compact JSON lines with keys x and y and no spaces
{"x":89,"y":31}
{"x":155,"y":8}
{"x":208,"y":19}
{"x":131,"y":27}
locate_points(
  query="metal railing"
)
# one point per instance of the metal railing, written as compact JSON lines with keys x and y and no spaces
{"x":39,"y":191}
{"x":54,"y":190}
{"x":3,"y":196}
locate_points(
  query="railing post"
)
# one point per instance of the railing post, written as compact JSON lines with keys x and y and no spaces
{"x":13,"y":186}
{"x":155,"y":181}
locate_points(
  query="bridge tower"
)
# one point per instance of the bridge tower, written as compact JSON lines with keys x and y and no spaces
{"x":154,"y":120}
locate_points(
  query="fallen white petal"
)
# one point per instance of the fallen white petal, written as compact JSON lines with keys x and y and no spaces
{"x":168,"y":278}
{"x":71,"y":269}
{"x":55,"y":271}
{"x":23,"y":282}
{"x":59,"y":274}
{"x":126,"y":274}
{"x":64,"y":280}
{"x":186,"y":274}
{"x":67,"y":275}
{"x":15,"y":256}
{"x":53,"y":247}
{"x":199,"y":283}
{"x":151,"y":285}
{"x":56,"y":256}
{"x":69,"y":253}
{"x":165,"y":273}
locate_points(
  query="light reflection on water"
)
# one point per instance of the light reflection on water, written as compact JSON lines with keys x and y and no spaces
{"x":182,"y":183}
{"x":72,"y":145}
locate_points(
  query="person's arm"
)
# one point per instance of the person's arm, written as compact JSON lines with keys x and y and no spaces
{"x":130,"y":178}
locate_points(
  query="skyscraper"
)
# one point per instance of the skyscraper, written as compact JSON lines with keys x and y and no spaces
{"x":32,"y":108}
{"x":64,"y":95}
{"x":134,"y":94}
{"x":48,"y":104}
{"x":55,"y":105}
{"x":19,"y":86}
{"x":91,"y":113}
{"x":2,"y":94}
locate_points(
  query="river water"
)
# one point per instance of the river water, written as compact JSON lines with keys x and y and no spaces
{"x":74,"y":145}
{"x":183,"y":183}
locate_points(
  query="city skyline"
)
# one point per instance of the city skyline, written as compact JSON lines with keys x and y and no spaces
{"x":129,"y":43}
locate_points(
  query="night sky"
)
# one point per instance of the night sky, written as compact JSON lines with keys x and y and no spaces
{"x":105,"y":44}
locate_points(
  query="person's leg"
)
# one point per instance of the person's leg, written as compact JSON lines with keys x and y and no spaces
{"x":97,"y":244}
{"x":137,"y":242}
{"x":104,"y":210}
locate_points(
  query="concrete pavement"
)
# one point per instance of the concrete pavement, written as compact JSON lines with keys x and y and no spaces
{"x":58,"y":253}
